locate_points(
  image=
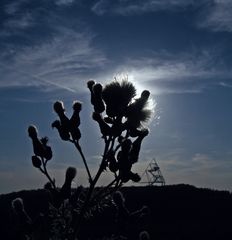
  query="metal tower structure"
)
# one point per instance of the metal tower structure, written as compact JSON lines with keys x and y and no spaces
{"x":153,"y":174}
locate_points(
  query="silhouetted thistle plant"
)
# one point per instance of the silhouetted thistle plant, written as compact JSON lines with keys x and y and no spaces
{"x":124,"y":217}
{"x":120,"y":117}
{"x":144,"y":235}
{"x":23,"y":221}
{"x":43,"y":153}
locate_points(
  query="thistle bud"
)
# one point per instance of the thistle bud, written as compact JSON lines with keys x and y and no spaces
{"x":90,"y":84}
{"x":144,"y":235}
{"x":77,"y":106}
{"x":36,"y":161}
{"x":70,"y":174}
{"x":66,"y":188}
{"x":58,"y":107}
{"x":32,"y":131}
{"x":99,"y":106}
{"x":17,"y":205}
{"x":135,"y":177}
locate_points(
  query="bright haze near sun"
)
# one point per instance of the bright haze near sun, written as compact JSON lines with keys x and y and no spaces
{"x":179,"y":50}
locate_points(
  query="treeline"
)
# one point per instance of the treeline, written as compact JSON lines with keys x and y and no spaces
{"x":175,"y":212}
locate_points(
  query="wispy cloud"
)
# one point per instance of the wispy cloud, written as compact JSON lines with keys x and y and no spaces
{"x":180,"y":73}
{"x":14,"y":6}
{"x":64,"y":2}
{"x":224,"y":84}
{"x":200,"y":168}
{"x":132,"y":7}
{"x":21,"y":21}
{"x":217,"y":16}
{"x":63,"y":61}
{"x":212,"y":14}
{"x":59,"y":54}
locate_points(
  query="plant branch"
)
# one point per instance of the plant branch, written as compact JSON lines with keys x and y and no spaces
{"x":91,"y":188}
{"x":45,"y":172}
{"x":77,"y":145}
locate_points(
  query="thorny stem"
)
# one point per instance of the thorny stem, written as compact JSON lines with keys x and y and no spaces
{"x":91,"y":188}
{"x":45,"y":172}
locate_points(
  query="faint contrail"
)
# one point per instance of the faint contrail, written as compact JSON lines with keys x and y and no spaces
{"x":38,"y":78}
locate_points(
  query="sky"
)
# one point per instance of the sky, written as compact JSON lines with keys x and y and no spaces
{"x":180,"y":50}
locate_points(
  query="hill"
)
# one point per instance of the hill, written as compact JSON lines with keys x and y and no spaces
{"x":176,"y":212}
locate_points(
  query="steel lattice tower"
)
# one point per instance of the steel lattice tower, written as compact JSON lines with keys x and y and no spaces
{"x":153,"y":174}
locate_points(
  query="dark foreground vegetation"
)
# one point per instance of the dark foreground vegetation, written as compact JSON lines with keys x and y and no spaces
{"x":175,"y":212}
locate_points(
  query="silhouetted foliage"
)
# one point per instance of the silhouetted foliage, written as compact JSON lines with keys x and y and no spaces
{"x":175,"y":212}
{"x":170,"y":212}
{"x":120,"y":117}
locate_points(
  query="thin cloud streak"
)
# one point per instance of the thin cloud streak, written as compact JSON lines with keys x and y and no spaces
{"x":214,"y":15}
{"x":37,"y":80}
{"x":64,"y":2}
{"x":60,"y":62}
{"x":132,"y":7}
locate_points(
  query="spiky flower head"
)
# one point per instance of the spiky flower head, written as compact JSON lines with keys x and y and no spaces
{"x":59,"y":107}
{"x":17,"y":204}
{"x":141,"y":111}
{"x":44,"y":140}
{"x":77,"y":106}
{"x":117,"y":95}
{"x":32,"y":131}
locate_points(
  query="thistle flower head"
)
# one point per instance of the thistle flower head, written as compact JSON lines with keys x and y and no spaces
{"x":90,"y":84}
{"x":145,"y":94}
{"x":32,"y":131}
{"x":77,"y":106}
{"x":97,"y":88}
{"x":70,"y":173}
{"x":144,"y":235}
{"x":44,"y":140}
{"x":141,"y":111}
{"x":118,"y":198}
{"x":59,"y":107}
{"x":56,"y":124}
{"x":17,"y":204}
{"x":135,"y":177}
{"x":48,"y":186}
{"x":117,"y":95}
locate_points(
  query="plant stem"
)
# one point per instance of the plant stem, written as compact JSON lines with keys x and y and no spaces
{"x":91,"y":188}
{"x":77,"y":145}
{"x":99,"y":194}
{"x":45,"y":172}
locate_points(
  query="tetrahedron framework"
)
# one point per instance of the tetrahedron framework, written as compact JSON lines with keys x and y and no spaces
{"x":153,"y":175}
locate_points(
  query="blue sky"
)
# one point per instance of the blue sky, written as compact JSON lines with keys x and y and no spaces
{"x":178,"y":49}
